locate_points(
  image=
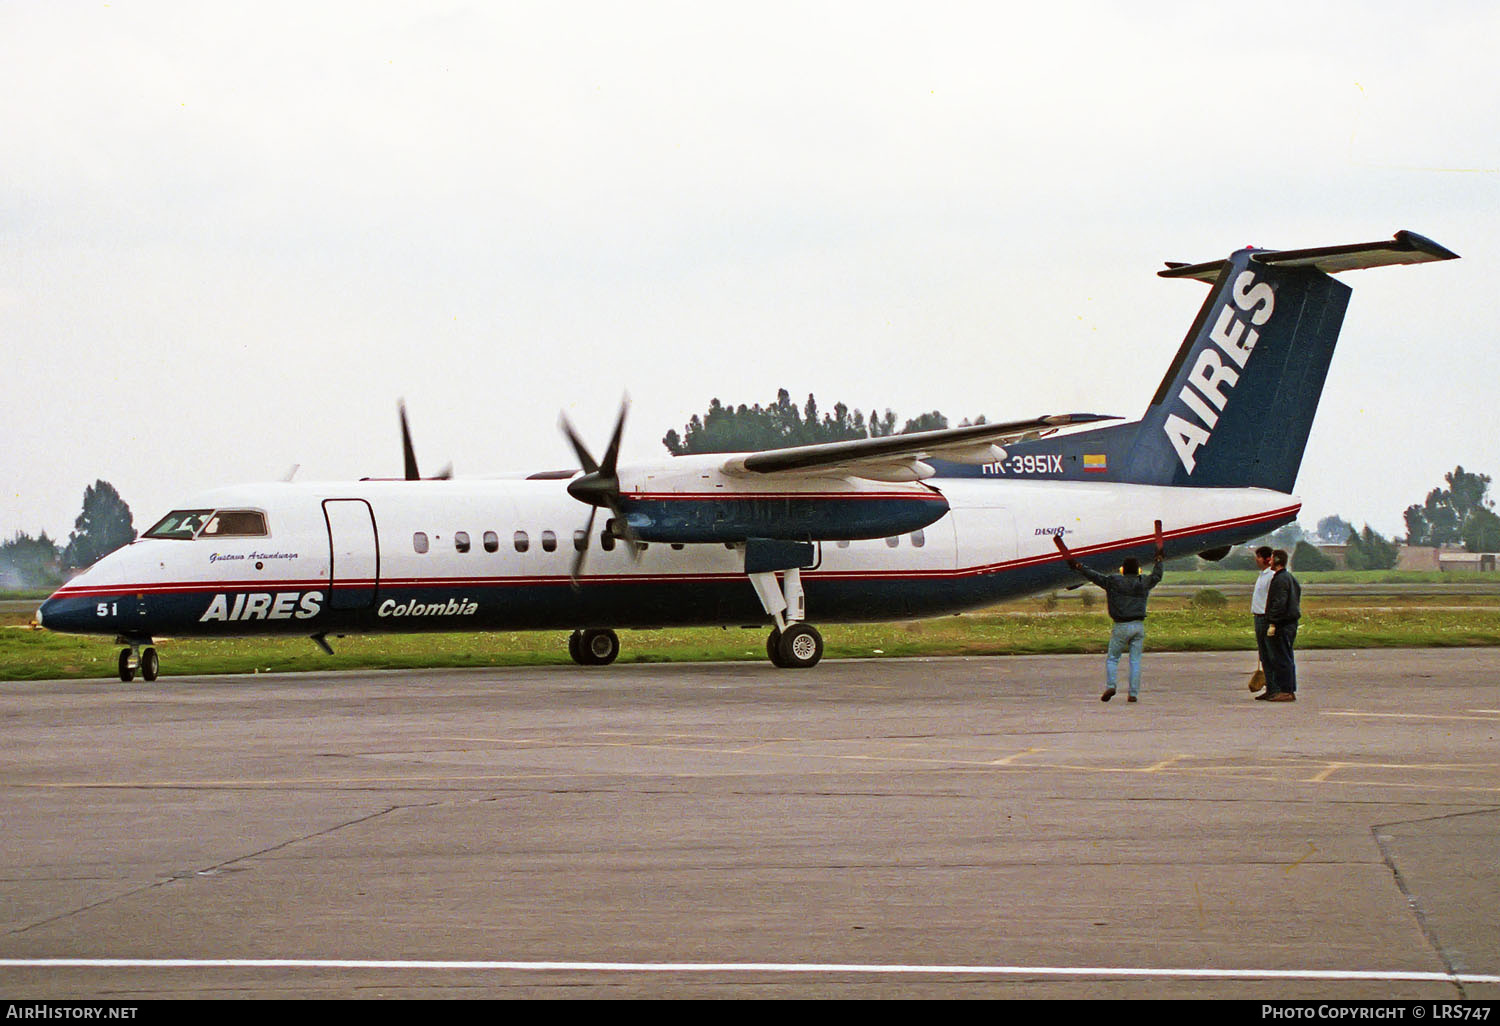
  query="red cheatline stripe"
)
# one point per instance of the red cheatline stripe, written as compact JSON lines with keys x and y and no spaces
{"x":924,"y":496}
{"x":262,"y":584}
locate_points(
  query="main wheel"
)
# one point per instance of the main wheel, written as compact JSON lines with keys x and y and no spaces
{"x":599,"y":647}
{"x":150,"y":664}
{"x":801,"y":646}
{"x":773,"y":648}
{"x":127,"y":672}
{"x":575,"y":647}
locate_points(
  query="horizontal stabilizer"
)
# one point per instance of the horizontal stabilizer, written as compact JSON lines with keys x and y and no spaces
{"x":1405,"y":248}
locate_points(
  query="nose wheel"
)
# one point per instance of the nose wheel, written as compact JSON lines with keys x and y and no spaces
{"x":137,"y":659}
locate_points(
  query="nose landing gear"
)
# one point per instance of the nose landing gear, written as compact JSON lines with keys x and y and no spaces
{"x":138,"y":658}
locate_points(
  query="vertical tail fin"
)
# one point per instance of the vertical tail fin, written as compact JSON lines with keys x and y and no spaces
{"x":1236,"y":406}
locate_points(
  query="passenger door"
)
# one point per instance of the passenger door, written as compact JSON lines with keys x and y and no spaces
{"x":354,"y":553}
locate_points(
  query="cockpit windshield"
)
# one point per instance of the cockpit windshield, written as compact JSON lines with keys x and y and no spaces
{"x":187,"y":524}
{"x":180,"y":523}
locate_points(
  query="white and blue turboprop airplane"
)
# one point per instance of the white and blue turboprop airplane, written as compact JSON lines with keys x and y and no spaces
{"x":898,"y":527}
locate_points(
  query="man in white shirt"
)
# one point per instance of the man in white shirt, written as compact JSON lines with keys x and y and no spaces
{"x":1258,"y":611}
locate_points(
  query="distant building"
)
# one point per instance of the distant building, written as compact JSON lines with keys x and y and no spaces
{"x":1451,"y":560}
{"x":1425,"y":558}
{"x":1447,"y":560}
{"x":1337,"y":553}
{"x":1417,"y":557}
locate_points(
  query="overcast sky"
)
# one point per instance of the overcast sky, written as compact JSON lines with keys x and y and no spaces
{"x":232,"y":236}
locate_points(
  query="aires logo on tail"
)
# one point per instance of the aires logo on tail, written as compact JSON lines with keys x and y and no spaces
{"x":1255,"y":302}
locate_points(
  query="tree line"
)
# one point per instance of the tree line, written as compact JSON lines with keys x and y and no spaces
{"x":104,"y":524}
{"x":783,"y":423}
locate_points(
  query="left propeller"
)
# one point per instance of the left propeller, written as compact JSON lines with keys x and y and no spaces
{"x":410,"y":454}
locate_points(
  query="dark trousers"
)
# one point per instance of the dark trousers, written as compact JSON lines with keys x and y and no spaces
{"x":1281,"y":672}
{"x":1263,"y":648}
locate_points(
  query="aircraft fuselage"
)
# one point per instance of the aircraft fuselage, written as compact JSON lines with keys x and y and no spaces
{"x":398,"y":556}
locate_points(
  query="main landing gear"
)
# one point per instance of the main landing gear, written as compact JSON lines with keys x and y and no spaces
{"x":796,"y":648}
{"x":138,"y":659}
{"x":792,"y":644}
{"x":593,"y":647}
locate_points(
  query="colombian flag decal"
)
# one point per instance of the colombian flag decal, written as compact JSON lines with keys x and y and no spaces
{"x":1095,"y":463}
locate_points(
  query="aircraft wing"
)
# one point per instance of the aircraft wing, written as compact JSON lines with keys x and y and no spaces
{"x":899,"y":457}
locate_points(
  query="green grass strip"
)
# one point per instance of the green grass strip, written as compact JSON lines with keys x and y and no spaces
{"x":1017,"y":629}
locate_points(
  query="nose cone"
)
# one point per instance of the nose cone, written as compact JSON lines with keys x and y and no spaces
{"x":51,"y":612}
{"x":71,"y":615}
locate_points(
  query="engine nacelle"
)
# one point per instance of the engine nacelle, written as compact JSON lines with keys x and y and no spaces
{"x":734,"y":517}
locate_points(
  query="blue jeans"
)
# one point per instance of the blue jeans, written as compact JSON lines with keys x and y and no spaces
{"x":1263,"y":650}
{"x":1130,"y":635}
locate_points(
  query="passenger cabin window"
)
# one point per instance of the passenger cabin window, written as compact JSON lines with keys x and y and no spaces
{"x":522,"y":541}
{"x":607,"y":541}
{"x":918,"y":539}
{"x":549,"y":541}
{"x":893,"y":542}
{"x":842,"y":543}
{"x":491,"y":541}
{"x":461,"y":541}
{"x":580,"y":540}
{"x":419,"y":541}
{"x":236,"y":523}
{"x":180,"y":524}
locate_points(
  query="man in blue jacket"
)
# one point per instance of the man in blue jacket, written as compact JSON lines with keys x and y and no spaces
{"x":1127,"y":592}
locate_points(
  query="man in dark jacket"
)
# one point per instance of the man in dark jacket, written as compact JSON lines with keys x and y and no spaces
{"x":1127,"y":592}
{"x":1283,"y":610}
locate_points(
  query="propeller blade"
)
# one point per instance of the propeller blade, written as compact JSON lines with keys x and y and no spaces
{"x":588,"y":534}
{"x":622,"y":528}
{"x":409,"y":453}
{"x":585,"y":459}
{"x":612,"y":453}
{"x":407,"y":449}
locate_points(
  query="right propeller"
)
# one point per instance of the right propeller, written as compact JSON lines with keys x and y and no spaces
{"x":599,"y":485}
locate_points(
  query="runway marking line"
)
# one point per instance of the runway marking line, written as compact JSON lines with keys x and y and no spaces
{"x":1490,"y":715}
{"x":1314,"y":770}
{"x":1007,"y":760}
{"x":1178,"y":764}
{"x":832,"y":968}
{"x":1171,"y":763}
